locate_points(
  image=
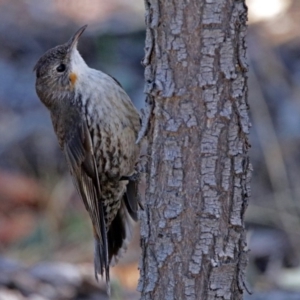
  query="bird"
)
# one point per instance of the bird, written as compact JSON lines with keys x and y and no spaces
{"x":97,"y":126}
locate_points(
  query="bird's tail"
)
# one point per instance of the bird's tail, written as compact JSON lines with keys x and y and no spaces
{"x":118,"y":238}
{"x":119,"y":234}
{"x":99,"y":263}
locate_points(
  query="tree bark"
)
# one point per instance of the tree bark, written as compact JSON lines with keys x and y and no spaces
{"x":192,"y":229}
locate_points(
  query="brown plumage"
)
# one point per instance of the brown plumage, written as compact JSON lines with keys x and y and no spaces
{"x":97,"y":126}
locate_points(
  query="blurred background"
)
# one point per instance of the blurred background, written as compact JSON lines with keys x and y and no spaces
{"x":46,"y":247}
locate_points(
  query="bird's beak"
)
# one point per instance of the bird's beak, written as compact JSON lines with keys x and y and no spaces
{"x":74,"y":39}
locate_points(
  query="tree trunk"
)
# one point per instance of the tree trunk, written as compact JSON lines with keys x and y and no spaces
{"x":192,"y":229}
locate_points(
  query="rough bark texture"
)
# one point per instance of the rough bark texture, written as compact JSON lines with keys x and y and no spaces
{"x":192,"y":229}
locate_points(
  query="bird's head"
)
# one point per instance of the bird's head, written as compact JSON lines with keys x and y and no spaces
{"x":57,"y":71}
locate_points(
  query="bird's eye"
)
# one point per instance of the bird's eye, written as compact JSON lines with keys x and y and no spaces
{"x":61,"y":68}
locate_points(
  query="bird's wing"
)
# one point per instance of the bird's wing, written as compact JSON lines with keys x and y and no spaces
{"x":79,"y":153}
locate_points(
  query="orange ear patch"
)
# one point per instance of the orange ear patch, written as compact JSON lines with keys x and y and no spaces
{"x":73,"y":78}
